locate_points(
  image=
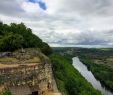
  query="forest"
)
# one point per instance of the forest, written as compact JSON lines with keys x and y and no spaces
{"x":17,"y":36}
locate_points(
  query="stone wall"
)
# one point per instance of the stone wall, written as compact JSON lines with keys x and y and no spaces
{"x":18,"y":75}
{"x":38,"y":75}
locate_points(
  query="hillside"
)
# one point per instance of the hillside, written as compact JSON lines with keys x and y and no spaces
{"x":26,"y":70}
{"x":98,"y":61}
{"x":16,"y":36}
{"x":69,"y":80}
{"x":24,"y":67}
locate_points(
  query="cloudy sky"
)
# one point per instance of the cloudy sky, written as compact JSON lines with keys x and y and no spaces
{"x":86,"y":23}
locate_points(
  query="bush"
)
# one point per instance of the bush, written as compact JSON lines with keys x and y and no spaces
{"x":15,"y":36}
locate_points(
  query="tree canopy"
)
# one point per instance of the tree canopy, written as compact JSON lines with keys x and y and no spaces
{"x":16,"y":36}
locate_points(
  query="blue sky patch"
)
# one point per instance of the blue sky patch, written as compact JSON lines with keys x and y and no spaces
{"x":32,"y":1}
{"x":41,"y":3}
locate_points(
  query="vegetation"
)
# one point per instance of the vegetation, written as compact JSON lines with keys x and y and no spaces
{"x":100,"y":71}
{"x":16,"y":36}
{"x":69,"y":80}
{"x":8,"y":59}
{"x":6,"y":92}
{"x":99,"y":61}
{"x":33,"y":60}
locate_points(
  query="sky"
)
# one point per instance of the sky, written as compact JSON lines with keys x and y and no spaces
{"x":83,"y":23}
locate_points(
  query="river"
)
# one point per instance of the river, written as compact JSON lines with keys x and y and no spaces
{"x":89,"y":76}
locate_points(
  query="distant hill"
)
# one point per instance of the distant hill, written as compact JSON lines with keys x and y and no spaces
{"x":16,"y":36}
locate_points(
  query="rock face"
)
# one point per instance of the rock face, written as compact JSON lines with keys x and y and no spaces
{"x":24,"y":78}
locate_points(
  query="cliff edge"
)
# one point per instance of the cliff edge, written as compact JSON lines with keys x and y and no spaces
{"x":26,"y":72}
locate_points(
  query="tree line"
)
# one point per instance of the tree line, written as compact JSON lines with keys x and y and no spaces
{"x":16,"y":36}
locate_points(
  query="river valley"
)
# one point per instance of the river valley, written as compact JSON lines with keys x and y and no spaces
{"x":89,"y":76}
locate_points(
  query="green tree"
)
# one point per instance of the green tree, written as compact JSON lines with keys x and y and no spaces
{"x":11,"y":42}
{"x":15,"y":36}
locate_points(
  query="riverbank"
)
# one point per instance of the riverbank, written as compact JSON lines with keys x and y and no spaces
{"x":87,"y":74}
{"x":99,"y":62}
{"x":102,"y":72}
{"x":68,"y":79}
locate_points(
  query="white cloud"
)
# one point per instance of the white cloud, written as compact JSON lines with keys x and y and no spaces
{"x":53,"y":6}
{"x":66,"y":22}
{"x":30,"y":7}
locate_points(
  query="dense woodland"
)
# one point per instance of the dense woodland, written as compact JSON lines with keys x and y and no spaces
{"x":16,"y":36}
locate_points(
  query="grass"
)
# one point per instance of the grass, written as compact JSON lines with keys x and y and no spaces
{"x":6,"y":92}
{"x":110,"y":59}
{"x":33,"y":60}
{"x":8,"y":59}
{"x":68,"y":79}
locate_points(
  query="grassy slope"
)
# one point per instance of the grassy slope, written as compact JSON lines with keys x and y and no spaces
{"x":68,"y":79}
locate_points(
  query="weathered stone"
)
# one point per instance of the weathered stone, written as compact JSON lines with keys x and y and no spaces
{"x":27,"y":78}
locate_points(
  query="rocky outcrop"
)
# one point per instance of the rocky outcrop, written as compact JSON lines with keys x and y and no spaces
{"x":23,"y":78}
